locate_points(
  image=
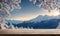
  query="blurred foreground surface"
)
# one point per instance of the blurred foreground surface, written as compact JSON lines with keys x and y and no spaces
{"x":30,"y":31}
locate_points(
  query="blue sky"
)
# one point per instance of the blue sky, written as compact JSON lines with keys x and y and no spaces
{"x":28,"y":11}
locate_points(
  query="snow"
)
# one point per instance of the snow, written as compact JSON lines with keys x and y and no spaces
{"x":58,"y":26}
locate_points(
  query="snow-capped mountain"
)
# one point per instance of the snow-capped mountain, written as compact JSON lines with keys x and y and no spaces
{"x":40,"y":22}
{"x":57,"y":17}
{"x":41,"y":18}
{"x":37,"y":19}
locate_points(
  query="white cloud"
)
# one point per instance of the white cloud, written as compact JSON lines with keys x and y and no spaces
{"x":54,"y":12}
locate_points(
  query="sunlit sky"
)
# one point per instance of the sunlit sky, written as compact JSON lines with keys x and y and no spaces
{"x":29,"y":11}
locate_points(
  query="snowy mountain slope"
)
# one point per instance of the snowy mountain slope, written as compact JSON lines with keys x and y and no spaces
{"x":41,"y":18}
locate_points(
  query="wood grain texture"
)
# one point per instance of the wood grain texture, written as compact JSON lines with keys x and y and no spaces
{"x":30,"y":31}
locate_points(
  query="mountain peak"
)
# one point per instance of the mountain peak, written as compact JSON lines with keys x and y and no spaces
{"x":40,"y":18}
